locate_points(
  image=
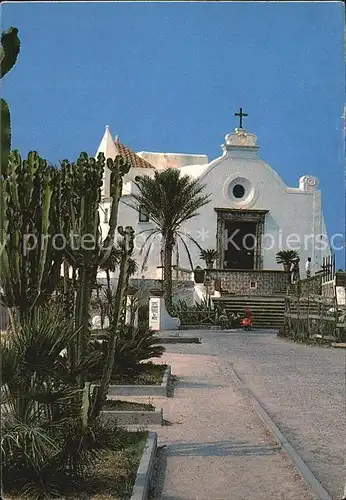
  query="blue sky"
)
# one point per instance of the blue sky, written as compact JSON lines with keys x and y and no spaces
{"x":169,"y":77}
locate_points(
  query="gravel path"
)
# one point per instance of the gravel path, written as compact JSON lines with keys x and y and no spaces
{"x":216,"y":446}
{"x":303,"y":390}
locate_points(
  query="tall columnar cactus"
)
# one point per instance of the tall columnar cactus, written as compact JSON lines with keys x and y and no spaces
{"x":29,"y":217}
{"x":9,"y":50}
{"x":81,"y":187}
{"x":118,"y":318}
{"x":81,"y":196}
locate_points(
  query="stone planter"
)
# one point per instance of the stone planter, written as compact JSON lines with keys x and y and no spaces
{"x":145,"y":470}
{"x":133,"y":417}
{"x":181,"y":340}
{"x":142,"y":390}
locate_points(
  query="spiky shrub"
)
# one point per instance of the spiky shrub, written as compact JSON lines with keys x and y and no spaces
{"x":29,"y":212}
{"x":133,"y":346}
{"x":209,"y":256}
{"x":196,"y":314}
{"x":41,"y":436}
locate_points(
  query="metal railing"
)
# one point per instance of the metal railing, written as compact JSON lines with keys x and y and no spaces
{"x":197,"y":317}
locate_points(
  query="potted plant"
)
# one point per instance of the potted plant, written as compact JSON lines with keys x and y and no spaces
{"x":209,"y":257}
{"x":286,"y":258}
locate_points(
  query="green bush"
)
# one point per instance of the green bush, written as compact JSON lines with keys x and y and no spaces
{"x":143,"y":315}
{"x":200,"y":313}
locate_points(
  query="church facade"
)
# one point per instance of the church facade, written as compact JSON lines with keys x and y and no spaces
{"x":252,"y":214}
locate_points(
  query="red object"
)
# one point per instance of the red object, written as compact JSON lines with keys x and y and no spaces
{"x":249,"y":314}
{"x":246,"y":321}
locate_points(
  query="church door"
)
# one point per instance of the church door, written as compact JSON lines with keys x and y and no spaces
{"x":240,"y":245}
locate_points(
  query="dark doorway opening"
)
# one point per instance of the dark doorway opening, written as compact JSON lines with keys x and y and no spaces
{"x":241,"y":245}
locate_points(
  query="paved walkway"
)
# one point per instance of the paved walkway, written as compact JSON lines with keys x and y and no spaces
{"x":216,"y":446}
{"x":301,"y":387}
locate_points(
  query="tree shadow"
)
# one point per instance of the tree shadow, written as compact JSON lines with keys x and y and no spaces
{"x":220,"y":449}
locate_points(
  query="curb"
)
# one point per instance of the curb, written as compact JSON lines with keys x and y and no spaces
{"x":179,"y":340}
{"x":341,"y":345}
{"x":165,"y":381}
{"x":200,"y":327}
{"x":302,"y":468}
{"x":133,"y":417}
{"x":145,"y":469}
{"x":143,"y":390}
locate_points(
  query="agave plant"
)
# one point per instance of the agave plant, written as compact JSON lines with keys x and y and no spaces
{"x":197,"y":314}
{"x":286,"y":258}
{"x":133,"y":346}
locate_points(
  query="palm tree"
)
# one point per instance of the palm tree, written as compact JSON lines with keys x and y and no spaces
{"x":110,"y":264}
{"x":286,"y":258}
{"x":169,"y":199}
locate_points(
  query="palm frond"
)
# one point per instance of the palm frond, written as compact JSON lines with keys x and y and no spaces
{"x":286,"y":256}
{"x":146,"y":256}
{"x":187,"y":250}
{"x":153,"y":232}
{"x":132,"y":267}
{"x":193,"y":240}
{"x":168,"y":198}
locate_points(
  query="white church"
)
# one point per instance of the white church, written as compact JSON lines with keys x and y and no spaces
{"x":252,"y":215}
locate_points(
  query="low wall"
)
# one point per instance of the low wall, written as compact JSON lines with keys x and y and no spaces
{"x":182,"y":290}
{"x":340,"y":279}
{"x":328,"y":289}
{"x":309,"y":285}
{"x":247,"y":282}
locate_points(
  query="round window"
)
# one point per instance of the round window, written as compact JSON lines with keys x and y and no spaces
{"x":238,"y":191}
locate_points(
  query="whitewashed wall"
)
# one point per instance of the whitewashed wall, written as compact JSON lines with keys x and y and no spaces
{"x":292,"y":211}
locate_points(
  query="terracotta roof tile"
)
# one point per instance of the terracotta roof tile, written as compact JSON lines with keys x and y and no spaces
{"x":135,"y":160}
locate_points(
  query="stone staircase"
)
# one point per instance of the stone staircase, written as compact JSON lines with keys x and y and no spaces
{"x":268,"y":311}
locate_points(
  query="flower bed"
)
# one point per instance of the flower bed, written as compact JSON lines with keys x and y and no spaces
{"x":146,"y":374}
{"x":120,"y":405}
{"x":128,"y":413}
{"x":113,"y":474}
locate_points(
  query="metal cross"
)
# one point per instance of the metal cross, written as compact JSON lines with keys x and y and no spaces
{"x":240,"y":114}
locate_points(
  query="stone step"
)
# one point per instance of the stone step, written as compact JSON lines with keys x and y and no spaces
{"x":268,"y":311}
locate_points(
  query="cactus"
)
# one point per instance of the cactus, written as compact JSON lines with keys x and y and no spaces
{"x":118,"y":318}
{"x":29,"y":263}
{"x":9,"y":50}
{"x":118,"y":167}
{"x":81,"y":196}
{"x":10,"y":47}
